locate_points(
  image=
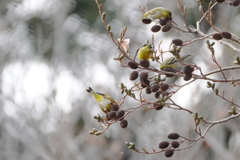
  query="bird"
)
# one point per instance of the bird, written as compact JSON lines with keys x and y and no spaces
{"x":172,"y":62}
{"x":104,"y":101}
{"x":157,"y":13}
{"x":145,"y":52}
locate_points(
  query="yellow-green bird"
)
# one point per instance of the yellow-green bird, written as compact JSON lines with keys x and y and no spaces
{"x":145,"y":52}
{"x":172,"y":62}
{"x":157,"y":13}
{"x":104,"y":101}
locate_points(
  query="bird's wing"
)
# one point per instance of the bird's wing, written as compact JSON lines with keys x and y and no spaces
{"x":173,"y":61}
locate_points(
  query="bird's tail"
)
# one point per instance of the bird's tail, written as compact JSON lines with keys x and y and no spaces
{"x":90,"y":90}
{"x":184,"y":57}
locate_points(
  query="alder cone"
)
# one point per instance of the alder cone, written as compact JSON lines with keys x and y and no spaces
{"x":124,"y":123}
{"x":133,"y":75}
{"x":114,"y":107}
{"x":187,"y":77}
{"x":112,"y":114}
{"x":164,"y":87}
{"x":146,"y":21}
{"x":217,"y":36}
{"x":188,"y":69}
{"x":177,"y":42}
{"x":155,"y":87}
{"x":166,"y":28}
{"x":175,"y":144}
{"x":143,"y":76}
{"x":156,"y":28}
{"x":145,"y":63}
{"x":226,"y":35}
{"x":157,"y":94}
{"x":148,"y":90}
{"x":173,"y":136}
{"x":132,"y":65}
{"x":169,"y":153}
{"x":163,"y":21}
{"x":163,"y":144}
{"x":120,"y":113}
{"x":158,"y":106}
{"x":235,"y":3}
{"x":145,"y":83}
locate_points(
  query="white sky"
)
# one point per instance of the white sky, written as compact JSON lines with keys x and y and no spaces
{"x":31,"y":83}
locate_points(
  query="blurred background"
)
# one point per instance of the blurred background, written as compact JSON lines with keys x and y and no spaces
{"x":51,"y":51}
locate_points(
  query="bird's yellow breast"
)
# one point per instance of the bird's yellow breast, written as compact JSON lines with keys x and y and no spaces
{"x":144,"y":53}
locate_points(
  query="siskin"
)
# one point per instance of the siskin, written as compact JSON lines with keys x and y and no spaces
{"x":172,"y":62}
{"x":157,"y":13}
{"x":104,"y":101}
{"x":145,"y":52}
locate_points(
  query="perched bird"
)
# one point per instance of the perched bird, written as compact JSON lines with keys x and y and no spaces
{"x":172,"y":62}
{"x":104,"y":101}
{"x":157,"y":13}
{"x":145,"y":52}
